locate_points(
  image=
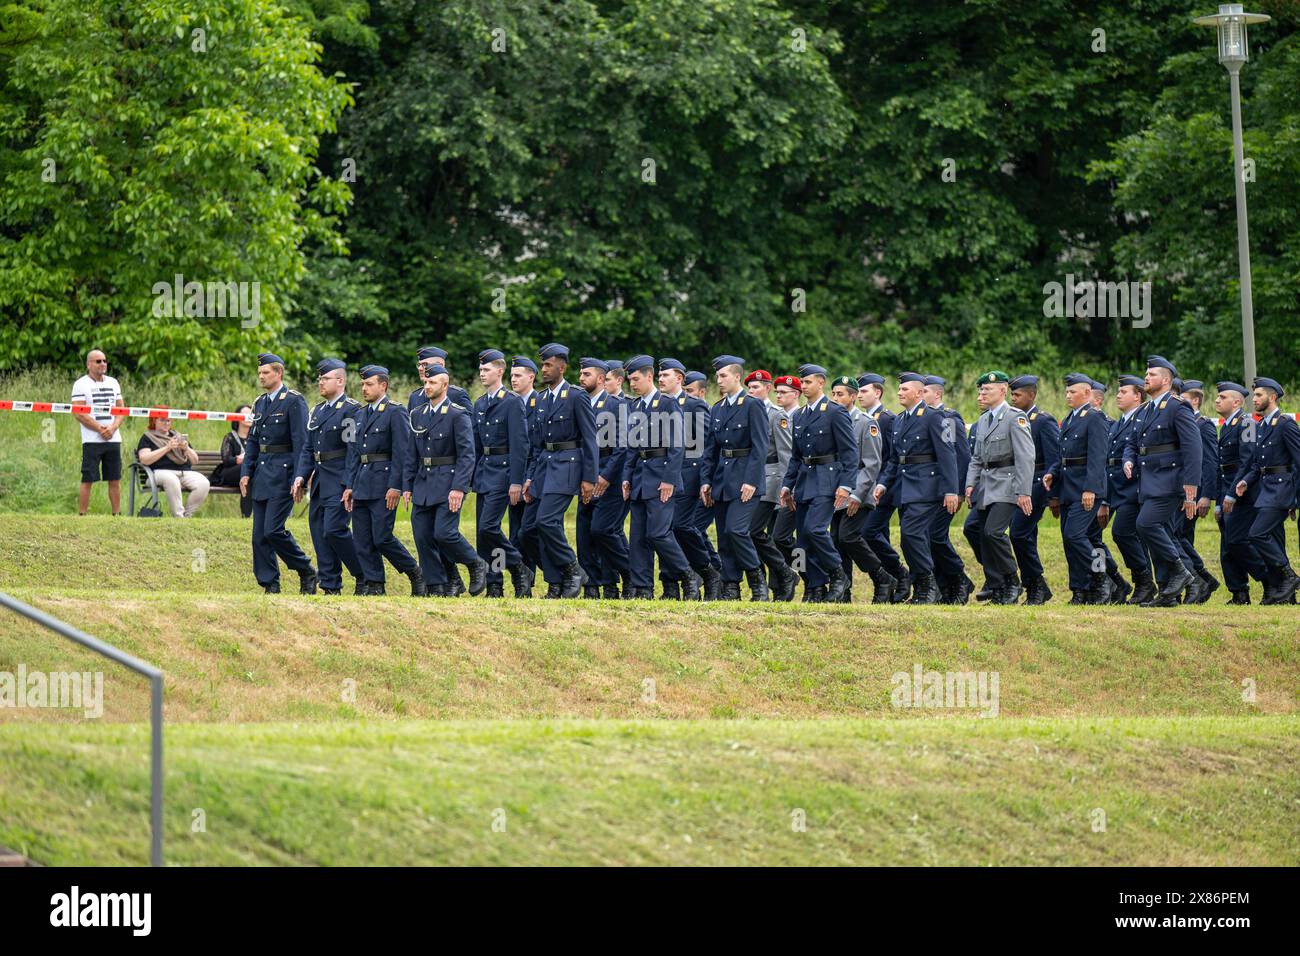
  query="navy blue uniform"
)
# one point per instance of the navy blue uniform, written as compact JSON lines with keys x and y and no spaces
{"x":1024,"y":527}
{"x":1270,"y":469}
{"x":737,"y":456}
{"x":564,"y":456}
{"x":875,"y":530}
{"x":1122,"y":499}
{"x":275,"y":441}
{"x":375,"y":467}
{"x":437,"y":460}
{"x":1080,"y":467}
{"x":689,"y":528}
{"x":1237,"y":556}
{"x":526,"y":545}
{"x":323,"y":466}
{"x":501,"y":450}
{"x":1208,"y":487}
{"x":653,"y":456}
{"x":823,"y":459}
{"x":921,"y":469}
{"x":602,"y":543}
{"x":948,"y":565}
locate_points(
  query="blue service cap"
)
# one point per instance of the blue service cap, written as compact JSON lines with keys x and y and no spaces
{"x":810,"y":369}
{"x":368,"y":370}
{"x":1078,"y":378}
{"x":871,"y":378}
{"x":1193,"y":385}
{"x":693,"y":377}
{"x":1024,"y":381}
{"x":1134,"y":381}
{"x":554,"y":350}
{"x":434,"y":370}
{"x":722,"y":361}
{"x":491,"y":355}
{"x":1098,"y":386}
{"x":329,"y":365}
{"x":611,"y":364}
{"x":1159,"y":361}
{"x":910,"y":377}
{"x":1231,"y":387}
{"x":523,"y":361}
{"x":1270,"y":383}
{"x":1177,"y":385}
{"x":269,"y":358}
{"x":638,"y":362}
{"x":593,"y":363}
{"x":673,"y":364}
{"x":935,"y":380}
{"x":431,"y":352}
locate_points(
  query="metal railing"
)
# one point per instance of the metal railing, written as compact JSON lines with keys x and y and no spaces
{"x":155,"y":708}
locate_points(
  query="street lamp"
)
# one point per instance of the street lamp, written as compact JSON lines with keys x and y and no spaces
{"x":1231,"y":21}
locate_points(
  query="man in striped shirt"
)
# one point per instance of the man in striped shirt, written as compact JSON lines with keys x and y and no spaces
{"x":101,"y":445}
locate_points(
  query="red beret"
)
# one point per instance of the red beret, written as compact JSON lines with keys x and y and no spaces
{"x":758,"y":375}
{"x":792,"y":381}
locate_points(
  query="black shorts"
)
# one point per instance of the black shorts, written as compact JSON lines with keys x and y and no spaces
{"x":105,"y":455}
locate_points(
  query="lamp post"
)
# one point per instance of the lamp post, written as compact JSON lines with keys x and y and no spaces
{"x":1231,"y":21}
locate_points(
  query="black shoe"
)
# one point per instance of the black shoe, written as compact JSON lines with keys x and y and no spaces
{"x":946,"y":593}
{"x":986,"y":593}
{"x":903,"y":588}
{"x":1037,"y":592}
{"x":1098,"y":589}
{"x":418,"y":587}
{"x":691,"y":587}
{"x":611,"y":592}
{"x":553,"y":590}
{"x":787,"y":581}
{"x":307,"y":582}
{"x":730,"y":591}
{"x":1240,"y":597}
{"x":836,"y":586}
{"x":496,"y":591}
{"x":884,"y":586}
{"x":1211,"y":584}
{"x":1173,"y":588}
{"x":331,"y":590}
{"x":1197,"y":590}
{"x":757,"y":584}
{"x":591,"y":592}
{"x":477,"y":577}
{"x":644,"y":594}
{"x":455,"y":587}
{"x":815,"y":595}
{"x":271,"y":588}
{"x":1010,"y":594}
{"x":437,"y":590}
{"x":1284,"y":588}
{"x":711,"y":589}
{"x":1119,"y":589}
{"x":572,"y":583}
{"x":1144,"y":590}
{"x":965,"y":588}
{"x":361,"y":587}
{"x":925,"y":590}
{"x":672,"y":590}
{"x":377,"y":589}
{"x":522,"y":581}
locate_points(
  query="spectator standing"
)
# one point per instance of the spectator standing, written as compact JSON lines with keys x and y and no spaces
{"x":101,"y":444}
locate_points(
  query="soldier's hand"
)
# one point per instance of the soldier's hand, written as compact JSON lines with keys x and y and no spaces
{"x":347,"y":499}
{"x":602,"y":485}
{"x":243,"y":487}
{"x":1047,"y":481}
{"x":787,"y":499}
{"x":454,"y":500}
{"x":706,"y":495}
{"x":516,"y":492}
{"x":852,"y":508}
{"x":1128,"y":469}
{"x":390,"y":498}
{"x":665,"y":492}
{"x":970,"y":497}
{"x":627,"y":490}
{"x":1103,"y":516}
{"x":587,"y":488}
{"x":1203,"y":507}
{"x":1241,"y":488}
{"x":296,"y":490}
{"x":877,"y":491}
{"x":841,"y":496}
{"x":1089,"y":499}
{"x":1055,"y":505}
{"x":1026,"y":504}
{"x":1227,"y":505}
{"x":528,"y":487}
{"x":1189,"y":508}
{"x":951,"y":503}
{"x":747,"y":492}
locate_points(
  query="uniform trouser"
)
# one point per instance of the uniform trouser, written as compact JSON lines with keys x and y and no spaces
{"x":1099,"y":548}
{"x":372,"y":533}
{"x":703,"y":519}
{"x":1268,"y":535}
{"x":609,"y":512}
{"x":525,"y":544}
{"x":1077,"y":539}
{"x":1156,"y":522}
{"x":1123,"y":529}
{"x":847,"y":530}
{"x":1237,"y":556}
{"x":947,"y":563}
{"x":652,"y":533}
{"x":760,"y":532}
{"x":1187,"y":540}
{"x":915,"y":522}
{"x":783,"y":528}
{"x":546,"y":521}
{"x":813,"y":524}
{"x":1024,"y":533}
{"x":494,"y":545}
{"x":996,"y":556}
{"x":436,"y":529}
{"x":736,"y":548}
{"x":690,"y":537}
{"x":272,"y":538}
{"x":331,"y":536}
{"x":588,"y":555}
{"x":971,"y":528}
{"x":876,"y":534}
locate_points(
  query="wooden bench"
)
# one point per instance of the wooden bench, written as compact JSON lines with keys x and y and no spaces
{"x":141,"y":476}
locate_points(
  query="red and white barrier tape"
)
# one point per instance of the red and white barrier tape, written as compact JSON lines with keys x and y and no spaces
{"x":175,"y":414}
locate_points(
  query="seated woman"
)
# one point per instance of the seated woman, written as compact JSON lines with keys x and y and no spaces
{"x":172,"y":459}
{"x":232,"y":456}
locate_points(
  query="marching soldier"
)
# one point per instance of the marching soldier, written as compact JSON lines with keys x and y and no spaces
{"x":375,"y":483}
{"x":275,"y":441}
{"x":614,"y":377}
{"x":1078,"y":480}
{"x":501,"y":449}
{"x":1024,"y":528}
{"x":970,"y":528}
{"x":781,"y":578}
{"x":1237,"y":556}
{"x":789,"y":389}
{"x":691,"y":538}
{"x":848,"y":521}
{"x":321,"y":471}
{"x":1121,"y":506}
{"x":697,"y":384}
{"x":523,"y":372}
{"x":999,"y":480}
{"x":1164,"y":451}
{"x":822,"y":474}
{"x":875,"y":531}
{"x":563,"y":465}
{"x":651,"y":472}
{"x":1193,"y":392}
{"x":438,"y":469}
{"x":1119,"y":588}
{"x":427,"y":358}
{"x":606,"y":514}
{"x":1270,"y":468}
{"x":955,"y":586}
{"x":732,"y":477}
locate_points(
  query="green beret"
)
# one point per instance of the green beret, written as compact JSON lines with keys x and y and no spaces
{"x":989,"y":378}
{"x":849,"y":383}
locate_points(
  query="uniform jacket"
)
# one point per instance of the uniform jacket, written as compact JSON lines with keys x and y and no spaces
{"x":1232,"y":450}
{"x":279,"y":420}
{"x":1209,"y":484}
{"x":698,"y":437}
{"x":870,"y":443}
{"x":780,"y":439}
{"x":440,"y":454}
{"x":457,"y":395}
{"x":610,"y":413}
{"x":1165,"y":422}
{"x":1047,"y":448}
{"x":1001,"y":466}
{"x":381,"y":430}
{"x":885,"y":419}
{"x":331,"y":427}
{"x":962,"y":439}
{"x":1271,"y":466}
{"x":564,"y":418}
{"x":498,"y":423}
{"x":654,"y":424}
{"x":741,"y":424}
{"x":1081,"y":463}
{"x":1121,"y":491}
{"x":921,"y":434}
{"x":822,"y":430}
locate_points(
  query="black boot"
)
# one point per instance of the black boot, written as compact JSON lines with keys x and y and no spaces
{"x":1211,"y":583}
{"x":672,"y":590}
{"x":331,"y":590}
{"x":757,"y":584}
{"x":1119,"y":589}
{"x":1098,"y":588}
{"x":987,"y":592}
{"x":884,"y":585}
{"x":965,"y":588}
{"x":730,"y":591}
{"x":786,"y":582}
{"x":712,"y":587}
{"x":361,"y":587}
{"x":1285,"y":584}
{"x":591,"y":592}
{"x":553,"y":590}
{"x":496,"y":591}
{"x":1240,"y":597}
{"x":925,"y":590}
{"x":1144,"y":589}
{"x":417,"y":583}
{"x":645,"y":594}
{"x":690,"y":587}
{"x":815,"y":595}
{"x":1173,"y":588}
{"x":477,"y":577}
{"x":1008,"y":594}
{"x":1197,"y":590}
{"x":271,"y":588}
{"x":522,"y":582}
{"x":437,"y":590}
{"x":836,"y":586}
{"x":307,"y":581}
{"x":1080,"y":597}
{"x":455,"y":587}
{"x":378,"y":589}
{"x":903,"y":588}
{"x":572,"y":583}
{"x":611,"y":592}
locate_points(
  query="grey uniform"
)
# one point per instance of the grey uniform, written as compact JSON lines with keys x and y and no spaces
{"x":772,"y":528}
{"x":1001,"y":470}
{"x":778,"y":452}
{"x":866,"y":432}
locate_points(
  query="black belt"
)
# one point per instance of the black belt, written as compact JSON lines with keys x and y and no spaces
{"x":1228,"y":466}
{"x":1112,"y":462}
{"x":736,"y":452}
{"x":606,"y":452}
{"x":653,"y":453}
{"x":496,"y":449}
{"x":378,"y":456}
{"x":329,"y":455}
{"x":1072,"y":462}
{"x":916,"y":459}
{"x":1158,"y":449}
{"x":820,"y":459}
{"x":774,"y":459}
{"x":274,"y":449}
{"x":1276,"y":469}
{"x":444,"y":460}
{"x":561,"y":445}
{"x":1039,"y":464}
{"x":1000,"y":463}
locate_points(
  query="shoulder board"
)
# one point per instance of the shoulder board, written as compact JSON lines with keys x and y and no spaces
{"x":294,"y":392}
{"x":718,"y":402}
{"x":350,"y":401}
